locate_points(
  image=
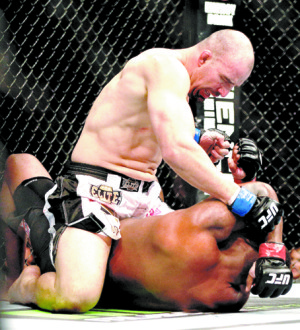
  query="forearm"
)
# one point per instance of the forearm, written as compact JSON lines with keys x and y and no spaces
{"x":276,"y":234}
{"x":193,"y":165}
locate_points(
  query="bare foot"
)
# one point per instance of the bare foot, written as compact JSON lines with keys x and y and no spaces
{"x":23,"y":289}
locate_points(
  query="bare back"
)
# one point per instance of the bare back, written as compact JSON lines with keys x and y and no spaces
{"x":118,"y":132}
{"x":181,"y":261}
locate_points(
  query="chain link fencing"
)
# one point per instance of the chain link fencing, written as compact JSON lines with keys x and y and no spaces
{"x":270,"y":100}
{"x":57,"y":55}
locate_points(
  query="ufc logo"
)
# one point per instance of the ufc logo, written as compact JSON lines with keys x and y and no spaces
{"x":283,"y":279}
{"x":271,"y":212}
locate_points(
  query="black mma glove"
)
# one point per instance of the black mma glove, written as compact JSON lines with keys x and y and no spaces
{"x":251,"y":158}
{"x":273,"y":277}
{"x":260,"y":213}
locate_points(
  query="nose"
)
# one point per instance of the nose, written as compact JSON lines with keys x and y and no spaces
{"x":223,"y":91}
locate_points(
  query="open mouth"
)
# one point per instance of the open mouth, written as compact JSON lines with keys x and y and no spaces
{"x":199,"y":97}
{"x":201,"y":94}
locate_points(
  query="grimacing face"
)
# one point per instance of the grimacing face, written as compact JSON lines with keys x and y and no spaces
{"x":210,"y":79}
{"x":217,"y":77}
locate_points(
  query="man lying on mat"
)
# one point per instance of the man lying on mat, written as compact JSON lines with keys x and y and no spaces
{"x":196,"y":258}
{"x":199,"y":258}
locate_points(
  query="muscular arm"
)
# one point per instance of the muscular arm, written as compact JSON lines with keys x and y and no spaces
{"x":171,"y":117}
{"x":275,"y":236}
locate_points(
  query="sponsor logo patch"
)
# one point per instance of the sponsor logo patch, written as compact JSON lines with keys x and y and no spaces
{"x":271,"y":213}
{"x":106,"y":194}
{"x":129,"y":184}
{"x":281,"y":279}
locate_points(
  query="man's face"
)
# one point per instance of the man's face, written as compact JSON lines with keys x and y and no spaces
{"x":216,"y":78}
{"x":295,"y":263}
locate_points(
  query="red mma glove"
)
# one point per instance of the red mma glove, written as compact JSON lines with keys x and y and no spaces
{"x":273,"y":276}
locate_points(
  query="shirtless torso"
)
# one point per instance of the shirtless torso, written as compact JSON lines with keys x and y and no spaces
{"x":143,"y":116}
{"x":118,"y":131}
{"x":193,"y":259}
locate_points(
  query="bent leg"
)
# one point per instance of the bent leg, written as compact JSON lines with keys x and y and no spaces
{"x":80,"y":262}
{"x":80,"y":271}
{"x":20,"y":167}
{"x":14,"y":252}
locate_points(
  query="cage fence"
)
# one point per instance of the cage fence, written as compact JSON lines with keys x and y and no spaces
{"x":57,"y":55}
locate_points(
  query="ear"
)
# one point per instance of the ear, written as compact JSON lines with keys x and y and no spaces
{"x":204,"y":56}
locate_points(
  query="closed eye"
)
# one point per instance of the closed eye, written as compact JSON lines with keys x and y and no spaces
{"x":228,"y":81}
{"x":236,"y":287}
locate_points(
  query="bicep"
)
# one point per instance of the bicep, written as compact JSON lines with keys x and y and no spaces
{"x":167,"y":103}
{"x":170,"y":116}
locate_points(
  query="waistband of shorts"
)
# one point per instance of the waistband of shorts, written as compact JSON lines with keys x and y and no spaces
{"x":102,"y":173}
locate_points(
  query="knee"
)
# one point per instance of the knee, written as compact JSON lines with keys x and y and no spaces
{"x":76,"y":303}
{"x":62,"y":296}
{"x":14,"y":166}
{"x":20,"y":167}
{"x":13,"y":159}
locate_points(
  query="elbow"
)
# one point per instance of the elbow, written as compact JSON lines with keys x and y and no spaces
{"x":171,"y":155}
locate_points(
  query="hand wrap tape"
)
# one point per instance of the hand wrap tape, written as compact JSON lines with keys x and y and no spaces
{"x":243,"y":203}
{"x":197,"y":135}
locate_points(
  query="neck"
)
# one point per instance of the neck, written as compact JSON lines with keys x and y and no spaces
{"x":188,"y":56}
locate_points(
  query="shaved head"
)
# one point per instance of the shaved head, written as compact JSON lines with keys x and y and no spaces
{"x":231,"y":44}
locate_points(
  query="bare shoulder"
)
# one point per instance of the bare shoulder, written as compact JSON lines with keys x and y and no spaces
{"x":207,"y":222}
{"x":158,"y":63}
{"x":213,"y":216}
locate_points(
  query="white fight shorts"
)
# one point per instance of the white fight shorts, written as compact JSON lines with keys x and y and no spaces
{"x":95,"y":199}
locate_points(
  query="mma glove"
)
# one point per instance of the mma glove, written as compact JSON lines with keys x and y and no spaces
{"x":250,"y":160}
{"x":260,"y":213}
{"x":273,"y":276}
